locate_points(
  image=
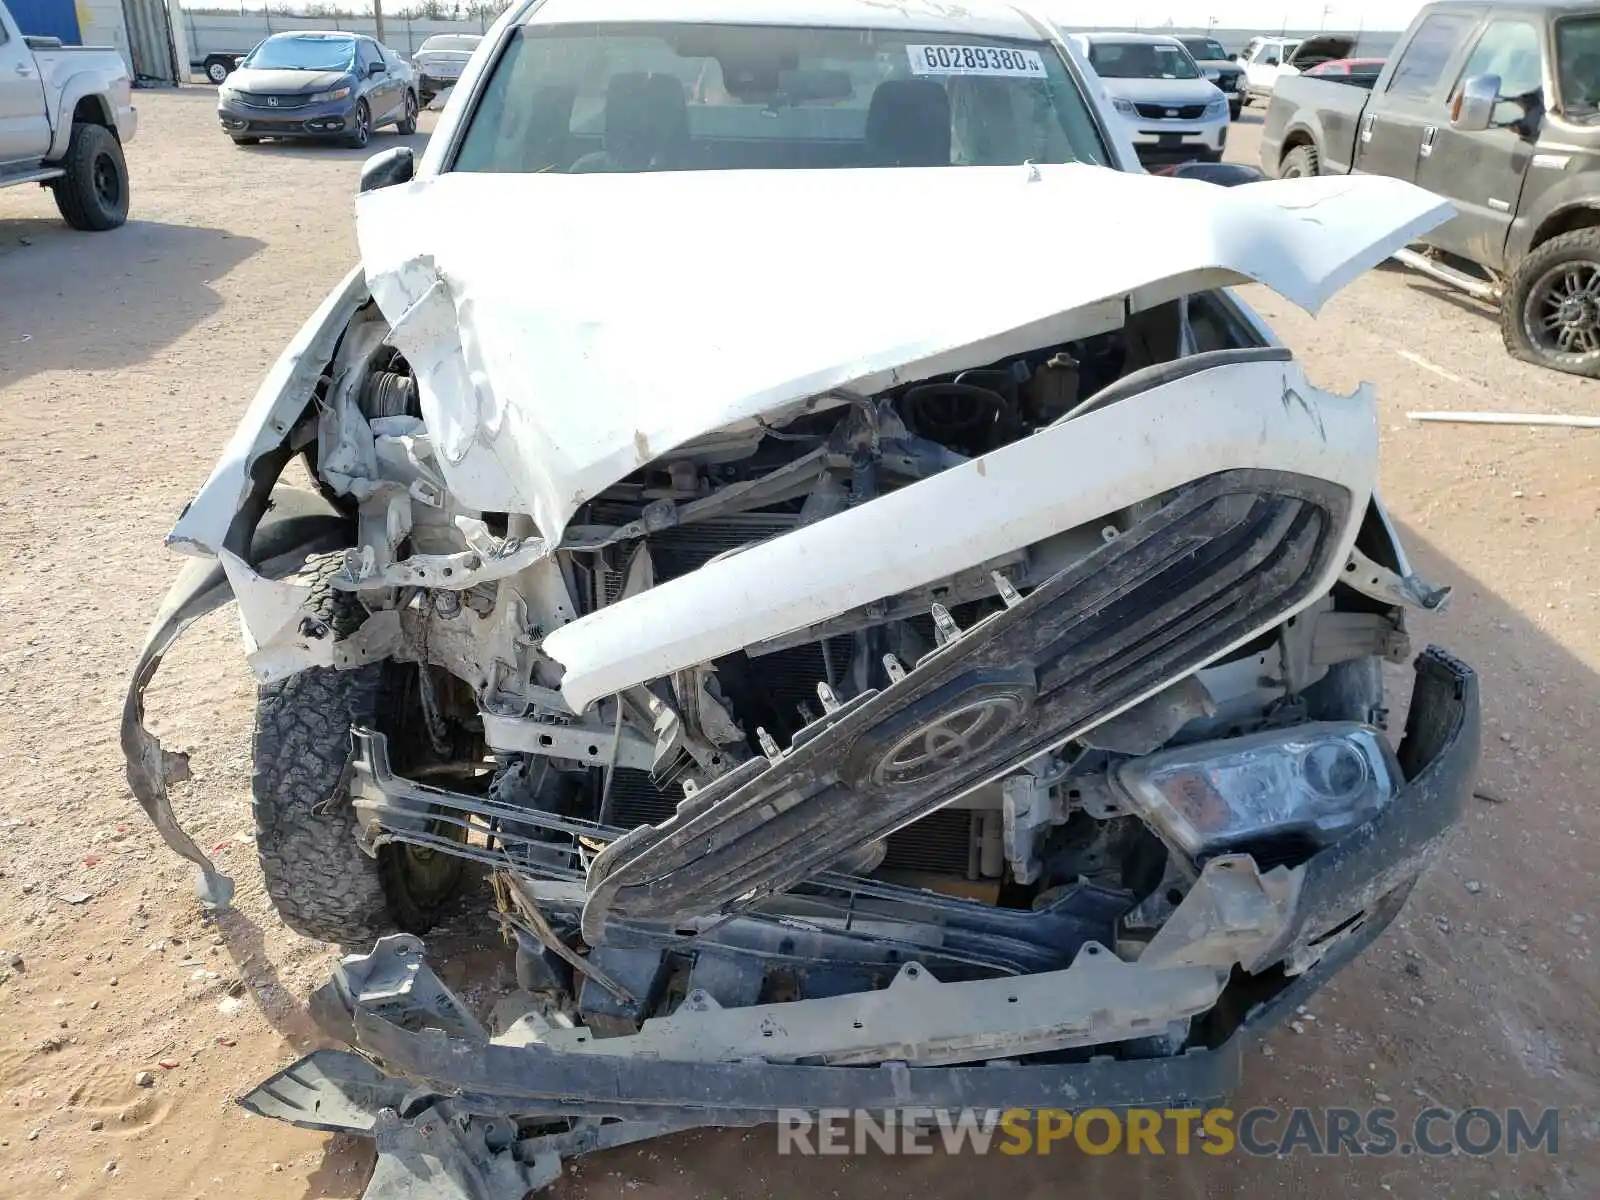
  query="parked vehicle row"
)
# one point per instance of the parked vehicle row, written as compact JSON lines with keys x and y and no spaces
{"x":1267,"y":59}
{"x":438,"y":60}
{"x":1496,"y":108}
{"x":65,"y":112}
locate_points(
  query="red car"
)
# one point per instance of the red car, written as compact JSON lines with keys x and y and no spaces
{"x":1361,"y":71}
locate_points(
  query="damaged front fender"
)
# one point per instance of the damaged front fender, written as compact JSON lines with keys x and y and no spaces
{"x":212,"y":519}
{"x":296,"y":525}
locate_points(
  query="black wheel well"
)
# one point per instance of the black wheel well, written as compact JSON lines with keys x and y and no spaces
{"x":1294,"y":141}
{"x":91,"y":110}
{"x":1580,"y":216}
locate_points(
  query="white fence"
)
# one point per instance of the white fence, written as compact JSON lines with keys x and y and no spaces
{"x":210,"y":33}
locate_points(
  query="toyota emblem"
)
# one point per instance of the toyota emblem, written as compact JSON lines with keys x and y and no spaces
{"x":272,"y":102}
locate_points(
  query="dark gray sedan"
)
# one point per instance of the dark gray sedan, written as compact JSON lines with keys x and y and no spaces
{"x":316,"y":84}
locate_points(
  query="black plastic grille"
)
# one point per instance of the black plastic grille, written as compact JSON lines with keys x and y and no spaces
{"x":272,"y":102}
{"x":1171,"y":112}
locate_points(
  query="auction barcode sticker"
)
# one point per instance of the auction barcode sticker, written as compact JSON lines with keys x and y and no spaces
{"x":976,"y":60}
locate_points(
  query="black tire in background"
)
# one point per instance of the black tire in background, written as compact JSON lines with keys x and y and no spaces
{"x":407,"y":124}
{"x":246,"y":140}
{"x":1300,"y":162}
{"x":362,"y":133}
{"x":1556,"y":288}
{"x":93,"y":194}
{"x":217,"y":69}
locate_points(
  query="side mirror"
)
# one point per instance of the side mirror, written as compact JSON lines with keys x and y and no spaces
{"x":375,"y":69}
{"x":382,"y":170}
{"x":1474,"y":106}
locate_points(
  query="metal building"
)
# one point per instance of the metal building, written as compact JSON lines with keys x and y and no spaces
{"x":150,"y":41}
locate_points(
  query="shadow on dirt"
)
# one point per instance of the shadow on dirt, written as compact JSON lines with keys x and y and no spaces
{"x":1434,"y":290}
{"x":463,"y":948}
{"x":105,"y":301}
{"x":324,"y":149}
{"x":476,"y":964}
{"x":242,"y":939}
{"x":342,"y":1174}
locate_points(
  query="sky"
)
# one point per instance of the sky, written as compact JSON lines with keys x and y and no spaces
{"x":1239,"y":14}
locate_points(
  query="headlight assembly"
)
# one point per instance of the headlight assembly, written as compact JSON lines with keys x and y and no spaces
{"x":1125,"y":107}
{"x":1313,"y":781}
{"x":338,"y":93}
{"x":1217,"y":107}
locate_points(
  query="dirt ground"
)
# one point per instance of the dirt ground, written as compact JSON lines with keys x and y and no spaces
{"x":125,"y":360}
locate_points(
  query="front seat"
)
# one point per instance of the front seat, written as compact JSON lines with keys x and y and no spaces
{"x":646,"y":125}
{"x":908,"y":124}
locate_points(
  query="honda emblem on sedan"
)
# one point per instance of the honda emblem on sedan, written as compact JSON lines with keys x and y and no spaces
{"x":272,"y":102}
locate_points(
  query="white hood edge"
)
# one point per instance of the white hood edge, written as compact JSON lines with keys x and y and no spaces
{"x":1162,"y":91}
{"x":566,"y":329}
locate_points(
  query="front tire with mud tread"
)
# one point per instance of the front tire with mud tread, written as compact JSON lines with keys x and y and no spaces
{"x":319,"y":879}
{"x":93,"y":193}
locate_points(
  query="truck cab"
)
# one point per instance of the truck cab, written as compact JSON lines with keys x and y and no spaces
{"x":1493,"y":107}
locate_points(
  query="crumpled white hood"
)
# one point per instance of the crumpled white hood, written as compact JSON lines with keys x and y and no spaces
{"x":567,"y":328}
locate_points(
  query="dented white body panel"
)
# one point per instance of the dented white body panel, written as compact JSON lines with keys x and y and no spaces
{"x":543,"y":382}
{"x":1262,"y":415}
{"x":551,"y":365}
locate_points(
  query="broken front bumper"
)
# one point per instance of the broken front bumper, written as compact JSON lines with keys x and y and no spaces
{"x":487,"y":1119}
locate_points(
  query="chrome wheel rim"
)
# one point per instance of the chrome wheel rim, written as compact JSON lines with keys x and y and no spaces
{"x":1562,"y":314}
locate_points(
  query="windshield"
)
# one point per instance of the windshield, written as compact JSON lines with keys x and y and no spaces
{"x":1578,"y":66}
{"x":661,"y":97}
{"x":300,"y":52}
{"x":1205,"y":48}
{"x":1142,"y":60}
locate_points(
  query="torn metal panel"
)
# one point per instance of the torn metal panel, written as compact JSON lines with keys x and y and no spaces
{"x":282,"y":397}
{"x":544,"y":394}
{"x":1093,"y":641}
{"x":1233,"y":914}
{"x":299,"y":524}
{"x":1377,"y":581}
{"x":918,"y":1020}
{"x":1073,"y":473}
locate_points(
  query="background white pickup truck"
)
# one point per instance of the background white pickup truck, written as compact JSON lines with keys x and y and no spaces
{"x":65,"y":112}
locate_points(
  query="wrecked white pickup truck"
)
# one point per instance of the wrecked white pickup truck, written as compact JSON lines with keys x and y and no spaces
{"x":874,"y":623}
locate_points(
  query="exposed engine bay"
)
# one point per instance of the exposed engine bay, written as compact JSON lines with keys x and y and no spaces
{"x":1015,"y":694}
{"x":559,"y":788}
